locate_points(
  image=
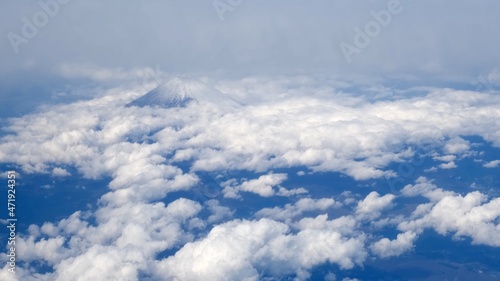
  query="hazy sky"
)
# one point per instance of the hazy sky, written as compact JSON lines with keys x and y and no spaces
{"x":439,"y":39}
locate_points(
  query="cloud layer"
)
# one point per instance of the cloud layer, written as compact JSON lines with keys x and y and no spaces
{"x":142,"y":230}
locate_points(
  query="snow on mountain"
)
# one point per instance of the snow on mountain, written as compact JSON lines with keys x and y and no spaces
{"x":180,"y":91}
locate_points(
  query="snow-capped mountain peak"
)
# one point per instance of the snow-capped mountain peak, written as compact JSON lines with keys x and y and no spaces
{"x":179,"y":91}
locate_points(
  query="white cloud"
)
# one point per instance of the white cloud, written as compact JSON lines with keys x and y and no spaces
{"x":263,"y":186}
{"x":449,"y":165}
{"x":426,"y":188}
{"x":445,"y":158}
{"x":140,"y":148}
{"x":125,"y":240}
{"x":346,"y":225}
{"x":389,"y":248}
{"x":326,"y":133}
{"x":431,"y":170}
{"x":60,"y":172}
{"x":463,"y":216}
{"x":457,"y":145}
{"x":291,"y":192}
{"x":373,"y":204}
{"x":330,"y":276}
{"x":291,"y":211}
{"x":6,"y":275}
{"x":219,"y":212}
{"x":492,"y":164}
{"x":241,"y":250}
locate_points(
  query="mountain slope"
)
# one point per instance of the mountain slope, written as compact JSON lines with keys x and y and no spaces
{"x":180,"y":91}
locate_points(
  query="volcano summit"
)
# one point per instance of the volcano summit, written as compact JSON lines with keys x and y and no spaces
{"x":180,"y":91}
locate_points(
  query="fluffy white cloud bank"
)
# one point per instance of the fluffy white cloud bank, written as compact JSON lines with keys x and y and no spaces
{"x":243,"y":250}
{"x":123,"y":242}
{"x":141,"y":149}
{"x":471,"y":215}
{"x":328,"y":131}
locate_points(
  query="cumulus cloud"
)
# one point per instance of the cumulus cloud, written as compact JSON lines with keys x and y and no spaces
{"x":290,"y":211}
{"x":456,"y":145}
{"x":243,"y":250}
{"x":219,"y":212}
{"x":60,"y":172}
{"x":388,"y":248}
{"x":425,"y":188}
{"x":263,"y":186}
{"x":334,"y":133}
{"x":449,"y":165}
{"x":291,"y":192}
{"x":346,"y":225}
{"x":330,"y":276}
{"x":317,"y":125}
{"x":373,"y":204}
{"x":492,"y":164}
{"x":142,"y":151}
{"x":472,"y":215}
{"x":123,"y":242}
